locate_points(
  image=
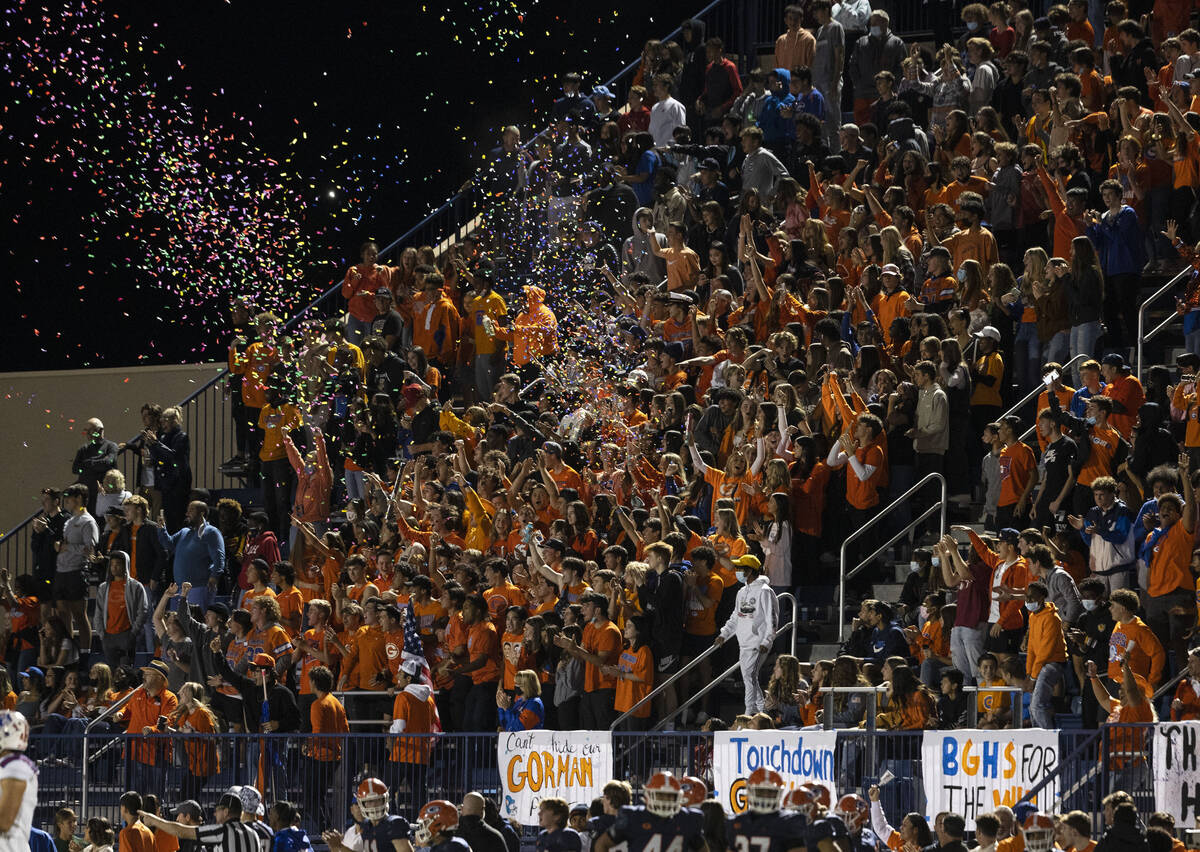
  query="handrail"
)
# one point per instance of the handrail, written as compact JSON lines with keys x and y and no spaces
{"x":1142,"y":336}
{"x":939,"y":507}
{"x":1063,"y":763}
{"x":108,"y":711}
{"x":1169,"y":685}
{"x":1041,"y":388}
{"x":712,"y":684}
{"x":873,"y":692}
{"x":695,"y":661}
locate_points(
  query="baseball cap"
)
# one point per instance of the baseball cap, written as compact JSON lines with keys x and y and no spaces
{"x":1010,"y":535}
{"x":33,"y":671}
{"x":411,"y":668}
{"x":711,"y":164}
{"x":748,"y":560}
{"x":1114,"y":359}
{"x":602,"y":92}
{"x":988,"y":331}
{"x":556,"y":544}
{"x":383,"y":292}
{"x":263,"y":661}
{"x":219,"y":608}
{"x":250,"y":797}
{"x":940,"y":251}
{"x":890,"y":269}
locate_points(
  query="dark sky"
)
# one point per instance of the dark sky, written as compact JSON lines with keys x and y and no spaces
{"x":416,"y":91}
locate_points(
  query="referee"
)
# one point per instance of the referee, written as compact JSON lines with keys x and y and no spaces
{"x":228,"y":833}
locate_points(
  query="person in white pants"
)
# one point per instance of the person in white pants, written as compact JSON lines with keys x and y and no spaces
{"x":754,"y":619}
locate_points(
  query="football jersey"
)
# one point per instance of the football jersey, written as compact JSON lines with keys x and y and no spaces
{"x":643,"y":831}
{"x":378,"y":837}
{"x":559,"y":840}
{"x":829,"y":826}
{"x":453,"y":844}
{"x":775,"y":832}
{"x":19,"y":767}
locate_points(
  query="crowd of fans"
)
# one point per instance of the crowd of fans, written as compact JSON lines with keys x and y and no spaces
{"x":696,"y":342}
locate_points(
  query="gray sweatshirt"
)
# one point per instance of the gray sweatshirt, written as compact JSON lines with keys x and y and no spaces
{"x":80,"y":534}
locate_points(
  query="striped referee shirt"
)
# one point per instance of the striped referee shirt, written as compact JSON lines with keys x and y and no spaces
{"x":232,"y":836}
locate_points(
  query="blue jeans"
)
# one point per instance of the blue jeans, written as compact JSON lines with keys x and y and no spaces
{"x":485,"y":377}
{"x":354,"y":484}
{"x":1027,"y":351}
{"x":1041,"y":705}
{"x":1191,"y":342}
{"x":1083,"y":342}
{"x":356,"y":329}
{"x":1057,"y":348}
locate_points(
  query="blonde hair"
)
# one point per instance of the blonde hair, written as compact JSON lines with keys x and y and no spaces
{"x":527,"y":681}
{"x":114,"y":477}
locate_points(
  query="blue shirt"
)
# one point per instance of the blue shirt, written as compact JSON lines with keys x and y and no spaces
{"x":647,"y":164}
{"x":1080,"y":397}
{"x":199,"y":553}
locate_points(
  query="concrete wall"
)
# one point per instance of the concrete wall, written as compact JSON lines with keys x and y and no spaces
{"x":42,"y":416}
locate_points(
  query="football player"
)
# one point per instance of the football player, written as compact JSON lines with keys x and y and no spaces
{"x":764,"y":827}
{"x":18,"y":783}
{"x":695,"y":791}
{"x":1038,"y":830}
{"x":854,"y":812}
{"x":381,"y":831}
{"x":663,"y":824}
{"x":435,"y":828}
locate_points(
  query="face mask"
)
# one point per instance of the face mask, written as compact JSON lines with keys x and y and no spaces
{"x":972,"y":25}
{"x":352,"y":516}
{"x":962,"y":275}
{"x":877,"y":32}
{"x":1091,"y":421}
{"x":914,"y":566}
{"x":1089,"y":605}
{"x":922,"y":613}
{"x":1032,"y":607}
{"x":936,"y":562}
{"x":741,"y":576}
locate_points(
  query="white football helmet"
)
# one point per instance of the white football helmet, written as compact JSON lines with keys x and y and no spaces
{"x":14,"y":731}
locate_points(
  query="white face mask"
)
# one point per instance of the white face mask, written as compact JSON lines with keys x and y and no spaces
{"x":972,"y":25}
{"x":877,"y":32}
{"x":922,"y":613}
{"x":1032,"y":607}
{"x":914,"y":566}
{"x":1089,"y":604}
{"x":936,"y":562}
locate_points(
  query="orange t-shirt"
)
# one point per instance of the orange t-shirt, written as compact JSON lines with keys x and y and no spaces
{"x":603,"y":641}
{"x":1105,"y":440}
{"x":1170,"y":566}
{"x":317,"y":639}
{"x":202,"y":757}
{"x":1126,"y":390}
{"x":136,"y":838}
{"x":700,"y":620}
{"x":291,"y":603}
{"x":1016,"y":466}
{"x":863,"y":493}
{"x":327,"y":716}
{"x":512,"y":649}
{"x":501,"y":597}
{"x":418,"y":719}
{"x":164,"y":842}
{"x":117,"y":617}
{"x":484,"y":642}
{"x":630,"y":692}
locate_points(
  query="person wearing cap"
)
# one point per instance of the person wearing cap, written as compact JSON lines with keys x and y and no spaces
{"x":413,"y":712}
{"x":229,"y":831}
{"x":987,"y":379}
{"x":122,"y":608}
{"x":533,"y":333}
{"x":602,"y":99}
{"x":711,"y":187}
{"x":1006,"y":625}
{"x":149,"y":758}
{"x":753,"y":621}
{"x":189,"y":813}
{"x":892,"y":301}
{"x":1125,"y":391}
{"x":388,"y":324}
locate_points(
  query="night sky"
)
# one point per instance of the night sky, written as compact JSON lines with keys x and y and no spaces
{"x":156,"y":159}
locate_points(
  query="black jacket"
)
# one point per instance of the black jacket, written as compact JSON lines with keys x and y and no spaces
{"x":1130,"y":70}
{"x":664,"y":605}
{"x":172,"y":465}
{"x":151,"y":558}
{"x":92,"y":461}
{"x":481,"y":836}
{"x":1123,"y":837}
{"x":281,"y":702}
{"x":45,"y":556}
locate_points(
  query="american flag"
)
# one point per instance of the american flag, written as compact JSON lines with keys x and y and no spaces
{"x":414,"y":651}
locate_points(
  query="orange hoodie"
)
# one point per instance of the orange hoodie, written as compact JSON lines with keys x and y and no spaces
{"x":1046,"y":642}
{"x":534,"y":332}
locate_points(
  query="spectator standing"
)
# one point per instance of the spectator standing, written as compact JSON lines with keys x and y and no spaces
{"x":931,"y":434}
{"x":1118,"y":240}
{"x":1086,"y":290}
{"x":601,"y":647}
{"x":199,"y":552}
{"x":879,"y":50}
{"x":1124,"y":390}
{"x":828,"y":66}
{"x":761,"y":169}
{"x":1046,"y":653}
{"x":170,"y":450}
{"x":358,"y":289}
{"x":796,"y":46}
{"x":135,"y":836}
{"x":45,"y":540}
{"x":94,"y":459}
{"x":152,"y":701}
{"x":1170,"y":588}
{"x":970,"y":624}
{"x":666,"y":114}
{"x":753,"y":621}
{"x":483,"y":665}
{"x":79,"y":539}
{"x":1009,"y":569}
{"x":722,"y":85}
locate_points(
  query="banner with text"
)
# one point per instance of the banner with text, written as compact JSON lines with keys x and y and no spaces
{"x":1176,"y":775}
{"x":972,"y":772}
{"x":536,"y":765}
{"x":798,"y":756}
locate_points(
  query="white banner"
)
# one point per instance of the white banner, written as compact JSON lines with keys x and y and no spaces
{"x":972,"y":772}
{"x":1176,"y":775}
{"x":798,"y":756}
{"x":536,"y":765}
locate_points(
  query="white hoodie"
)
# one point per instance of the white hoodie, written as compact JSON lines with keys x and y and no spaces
{"x":755,"y":615}
{"x":422,"y":694}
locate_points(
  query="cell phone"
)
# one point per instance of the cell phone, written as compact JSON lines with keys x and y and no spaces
{"x":1050,"y":378}
{"x":162,"y":722}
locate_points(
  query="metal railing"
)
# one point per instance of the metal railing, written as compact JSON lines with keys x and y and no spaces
{"x":939,"y":508}
{"x":696,"y":661}
{"x":872,"y":693}
{"x":108,"y":713}
{"x":1038,"y":391}
{"x":1143,"y":335}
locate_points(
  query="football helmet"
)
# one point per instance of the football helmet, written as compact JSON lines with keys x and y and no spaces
{"x":14,"y":731}
{"x":853,"y":810}
{"x":695,"y":791}
{"x":801,"y":800}
{"x":437,"y":817}
{"x":372,"y":796}
{"x":764,"y":790}
{"x":1039,"y":833}
{"x":663,"y":794}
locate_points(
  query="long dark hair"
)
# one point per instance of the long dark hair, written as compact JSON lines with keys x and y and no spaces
{"x":1085,"y":263}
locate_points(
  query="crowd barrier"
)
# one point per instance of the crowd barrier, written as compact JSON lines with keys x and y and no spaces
{"x":1077,"y":768}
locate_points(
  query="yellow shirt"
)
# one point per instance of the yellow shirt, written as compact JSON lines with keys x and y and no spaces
{"x":475,"y":309}
{"x":275,"y":423}
{"x":988,"y":365}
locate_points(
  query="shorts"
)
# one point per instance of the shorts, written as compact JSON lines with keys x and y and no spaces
{"x":69,"y":586}
{"x":694,"y":646}
{"x":1008,"y":642}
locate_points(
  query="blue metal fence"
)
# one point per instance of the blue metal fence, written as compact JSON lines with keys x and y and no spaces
{"x":1092,"y":765}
